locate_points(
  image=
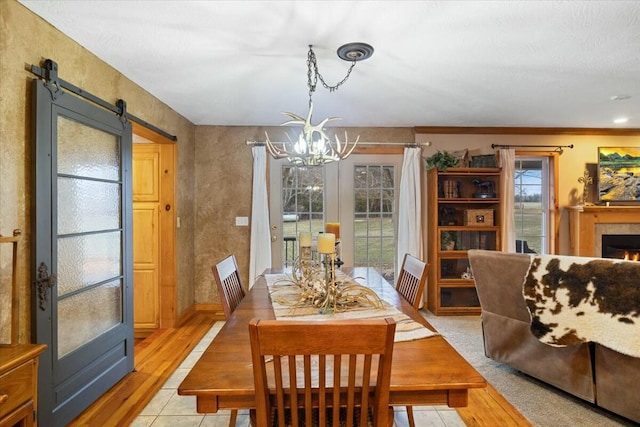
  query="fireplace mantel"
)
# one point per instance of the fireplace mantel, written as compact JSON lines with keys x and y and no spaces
{"x":584,"y":221}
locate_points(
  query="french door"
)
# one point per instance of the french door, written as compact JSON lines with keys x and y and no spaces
{"x":82,"y":256}
{"x":360,"y":192}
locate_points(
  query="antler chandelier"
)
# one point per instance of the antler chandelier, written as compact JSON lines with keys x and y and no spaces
{"x":313,"y":146}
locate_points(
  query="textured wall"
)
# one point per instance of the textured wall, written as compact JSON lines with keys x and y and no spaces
{"x":224,"y":180}
{"x":26,"y":39}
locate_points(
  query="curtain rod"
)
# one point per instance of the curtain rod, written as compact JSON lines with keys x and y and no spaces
{"x":557,"y":147}
{"x":405,"y":144}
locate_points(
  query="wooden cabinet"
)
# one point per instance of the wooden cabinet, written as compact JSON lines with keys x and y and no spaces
{"x":19,"y":384}
{"x":464,"y":208}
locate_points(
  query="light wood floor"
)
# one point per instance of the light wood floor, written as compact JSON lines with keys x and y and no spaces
{"x":156,"y":357}
{"x":160,"y":354}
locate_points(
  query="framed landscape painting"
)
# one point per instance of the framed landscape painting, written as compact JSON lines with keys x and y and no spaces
{"x":619,"y":174}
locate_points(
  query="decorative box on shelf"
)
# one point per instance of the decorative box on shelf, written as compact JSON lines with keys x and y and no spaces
{"x":478,"y":217}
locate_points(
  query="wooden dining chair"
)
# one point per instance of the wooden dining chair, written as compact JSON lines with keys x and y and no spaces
{"x":346,"y":361}
{"x":411,"y":279}
{"x":231,"y":293}
{"x":229,"y":284}
{"x":410,"y":284}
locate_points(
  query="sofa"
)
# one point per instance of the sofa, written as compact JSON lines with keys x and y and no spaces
{"x":589,"y":370}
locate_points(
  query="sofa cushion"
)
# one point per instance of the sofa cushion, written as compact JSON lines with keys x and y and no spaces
{"x":509,"y":341}
{"x":498,"y":277}
{"x":506,"y":325}
{"x":618,"y":382}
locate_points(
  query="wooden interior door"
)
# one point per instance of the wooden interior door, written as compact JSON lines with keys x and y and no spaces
{"x":146,"y":239}
{"x":154,"y":220}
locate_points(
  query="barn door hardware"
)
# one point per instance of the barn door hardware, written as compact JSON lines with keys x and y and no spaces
{"x":49,"y":73}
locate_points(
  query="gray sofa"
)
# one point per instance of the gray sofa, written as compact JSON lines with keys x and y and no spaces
{"x":589,"y":371}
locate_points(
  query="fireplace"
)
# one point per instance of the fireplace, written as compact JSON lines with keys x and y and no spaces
{"x":587,"y":225}
{"x":621,"y":246}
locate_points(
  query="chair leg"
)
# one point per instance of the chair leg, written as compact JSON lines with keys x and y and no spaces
{"x":410,"y":416}
{"x":232,"y":419}
{"x":392,"y":417}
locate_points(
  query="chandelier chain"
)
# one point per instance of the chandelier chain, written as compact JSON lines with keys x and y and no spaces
{"x":313,"y":74}
{"x":313,"y":147}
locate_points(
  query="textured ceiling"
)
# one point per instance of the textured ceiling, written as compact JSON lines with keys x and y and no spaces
{"x":436,"y":63}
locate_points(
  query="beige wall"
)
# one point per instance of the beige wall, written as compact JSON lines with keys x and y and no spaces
{"x":572,"y":161}
{"x":26,"y":39}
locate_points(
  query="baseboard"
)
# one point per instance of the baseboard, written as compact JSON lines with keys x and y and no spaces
{"x":142,"y":333}
{"x":211,"y":309}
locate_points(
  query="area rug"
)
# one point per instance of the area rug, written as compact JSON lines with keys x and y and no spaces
{"x":542,"y":404}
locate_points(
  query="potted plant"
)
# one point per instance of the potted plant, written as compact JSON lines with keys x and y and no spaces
{"x":448,"y":240}
{"x":442,"y":160}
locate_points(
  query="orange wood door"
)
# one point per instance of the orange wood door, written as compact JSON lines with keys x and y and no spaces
{"x":155,"y":224}
{"x":146,"y":238}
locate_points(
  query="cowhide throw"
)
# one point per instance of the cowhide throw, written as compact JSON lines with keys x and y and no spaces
{"x":576,"y":299}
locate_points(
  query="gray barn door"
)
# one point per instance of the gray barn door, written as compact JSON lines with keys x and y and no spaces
{"x":82,"y":252}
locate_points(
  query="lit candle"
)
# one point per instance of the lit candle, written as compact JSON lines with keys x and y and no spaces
{"x":333,"y":227}
{"x":305,"y":239}
{"x":327,"y":243}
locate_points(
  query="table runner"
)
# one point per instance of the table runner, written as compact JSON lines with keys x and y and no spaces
{"x":281,"y":287}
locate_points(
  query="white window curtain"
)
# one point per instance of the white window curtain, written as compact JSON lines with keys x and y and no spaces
{"x":260,"y":253}
{"x":508,"y":164}
{"x":409,"y":210}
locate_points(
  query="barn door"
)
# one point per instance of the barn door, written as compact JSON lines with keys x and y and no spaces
{"x":82,"y":258}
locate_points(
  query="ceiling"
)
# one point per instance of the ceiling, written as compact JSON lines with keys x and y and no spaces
{"x":436,"y":63}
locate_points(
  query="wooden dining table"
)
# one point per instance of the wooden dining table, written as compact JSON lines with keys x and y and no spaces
{"x":427,"y":371}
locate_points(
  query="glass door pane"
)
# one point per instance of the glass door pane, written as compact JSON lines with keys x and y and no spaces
{"x":531,"y":204}
{"x":368,"y":187}
{"x":374,"y":199}
{"x":89,"y":234}
{"x":302,"y":206}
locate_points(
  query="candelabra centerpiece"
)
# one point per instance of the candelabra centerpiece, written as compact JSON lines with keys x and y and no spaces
{"x":327,"y":249}
{"x":315,"y":277}
{"x":305,"y":254}
{"x":334,"y":228}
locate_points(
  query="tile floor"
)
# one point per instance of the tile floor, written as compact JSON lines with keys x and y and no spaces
{"x":170,"y":410}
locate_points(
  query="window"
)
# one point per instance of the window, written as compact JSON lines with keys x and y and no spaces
{"x":533,"y":203}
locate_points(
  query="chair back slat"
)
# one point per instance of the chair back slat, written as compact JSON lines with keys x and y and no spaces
{"x":412,"y":279}
{"x":331,"y":365}
{"x":230,"y":288}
